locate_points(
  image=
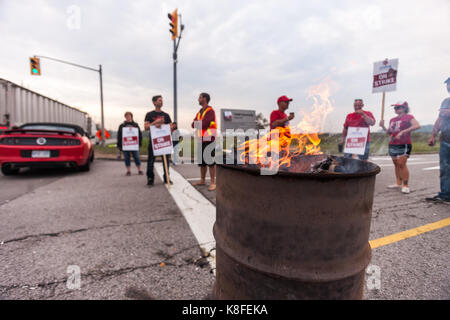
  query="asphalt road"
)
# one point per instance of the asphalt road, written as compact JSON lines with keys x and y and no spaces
{"x":131,"y":242}
{"x":414,"y":268}
{"x":128,"y":241}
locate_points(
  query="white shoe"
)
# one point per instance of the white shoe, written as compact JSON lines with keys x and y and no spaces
{"x":393,"y":186}
{"x":405,"y":189}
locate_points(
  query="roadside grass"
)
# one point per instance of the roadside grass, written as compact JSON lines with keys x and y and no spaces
{"x":329,"y":144}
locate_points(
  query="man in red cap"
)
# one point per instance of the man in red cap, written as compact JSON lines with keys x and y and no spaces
{"x":278,"y":118}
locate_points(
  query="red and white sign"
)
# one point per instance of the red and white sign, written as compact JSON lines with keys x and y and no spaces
{"x":130,"y":139}
{"x":385,"y":75}
{"x":356,"y":140}
{"x":161,"y":140}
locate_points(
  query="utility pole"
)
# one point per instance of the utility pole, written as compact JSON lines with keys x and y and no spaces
{"x":173,"y":17}
{"x":35,"y":70}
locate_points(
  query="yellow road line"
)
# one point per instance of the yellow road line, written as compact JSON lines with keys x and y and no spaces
{"x":409,"y":233}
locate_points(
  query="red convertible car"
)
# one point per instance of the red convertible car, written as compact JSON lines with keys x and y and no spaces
{"x":45,"y":145}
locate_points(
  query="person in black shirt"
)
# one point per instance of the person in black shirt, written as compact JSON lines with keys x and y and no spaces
{"x":155,"y":118}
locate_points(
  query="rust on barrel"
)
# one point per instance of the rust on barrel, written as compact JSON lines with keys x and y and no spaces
{"x":298,"y":234}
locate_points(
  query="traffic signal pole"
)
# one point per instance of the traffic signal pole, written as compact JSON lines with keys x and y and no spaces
{"x":175,"y":81}
{"x":101,"y":86}
{"x":173,"y":17}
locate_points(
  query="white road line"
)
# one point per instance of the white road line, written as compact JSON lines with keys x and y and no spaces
{"x":432,"y":168}
{"x":199,"y":213}
{"x":409,"y":163}
{"x":390,"y":159}
{"x":197,"y":179}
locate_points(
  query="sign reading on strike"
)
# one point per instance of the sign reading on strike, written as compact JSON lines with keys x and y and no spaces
{"x":130,"y":139}
{"x":356,"y":140}
{"x":385,"y":75}
{"x":161,"y":140}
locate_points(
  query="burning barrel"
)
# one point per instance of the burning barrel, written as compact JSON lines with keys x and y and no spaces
{"x":300,"y":234}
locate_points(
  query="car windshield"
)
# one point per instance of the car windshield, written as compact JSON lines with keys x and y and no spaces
{"x":48,"y":127}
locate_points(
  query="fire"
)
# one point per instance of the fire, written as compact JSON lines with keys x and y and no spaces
{"x":280,"y":145}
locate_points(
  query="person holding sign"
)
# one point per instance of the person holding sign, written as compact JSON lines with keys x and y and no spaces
{"x":358,"y":120}
{"x":155,"y":118}
{"x":129,"y":140}
{"x":400,"y":144}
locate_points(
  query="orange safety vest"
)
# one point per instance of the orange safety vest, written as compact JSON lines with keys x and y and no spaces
{"x":211,"y":130}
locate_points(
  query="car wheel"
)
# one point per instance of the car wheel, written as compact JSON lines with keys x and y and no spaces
{"x":8,"y":171}
{"x":85,"y":167}
{"x":92,"y":157}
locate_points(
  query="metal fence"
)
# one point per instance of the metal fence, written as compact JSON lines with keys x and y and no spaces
{"x":23,"y":106}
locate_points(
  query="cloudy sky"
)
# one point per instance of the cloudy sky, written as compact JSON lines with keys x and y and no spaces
{"x":244,"y":53}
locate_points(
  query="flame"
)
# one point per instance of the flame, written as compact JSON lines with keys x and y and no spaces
{"x":280,"y":145}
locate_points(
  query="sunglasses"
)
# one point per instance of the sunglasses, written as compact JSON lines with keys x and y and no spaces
{"x":398,"y":107}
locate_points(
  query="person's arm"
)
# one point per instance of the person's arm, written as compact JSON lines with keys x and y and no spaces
{"x":140,"y":135}
{"x":383,"y":127}
{"x":369,"y":118}
{"x":414,"y":126}
{"x":158,"y":122}
{"x":119,"y":138}
{"x":436,"y":129}
{"x":344,"y":135}
{"x":280,"y":122}
{"x":345,"y":130}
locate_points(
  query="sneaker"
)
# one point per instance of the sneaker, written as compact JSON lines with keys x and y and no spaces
{"x":141,"y":173}
{"x":150,"y":182}
{"x":128,"y":174}
{"x":393,"y":186}
{"x":405,"y":190}
{"x":165,"y":181}
{"x":437,"y":199}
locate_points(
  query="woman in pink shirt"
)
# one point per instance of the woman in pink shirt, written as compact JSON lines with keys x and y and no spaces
{"x":400,"y":144}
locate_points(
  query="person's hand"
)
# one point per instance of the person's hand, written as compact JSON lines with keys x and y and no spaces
{"x":382,"y":123}
{"x":399,"y":135}
{"x":432,"y":141}
{"x":359,"y":111}
{"x":291,"y":116}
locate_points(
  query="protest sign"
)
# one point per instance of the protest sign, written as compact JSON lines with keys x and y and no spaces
{"x":385,"y":75}
{"x":161,"y":140}
{"x":356,"y":140}
{"x":130,"y":139}
{"x":384,"y":78}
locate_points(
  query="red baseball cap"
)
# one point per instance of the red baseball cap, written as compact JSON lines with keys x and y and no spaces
{"x":400,"y":104}
{"x":283,"y":98}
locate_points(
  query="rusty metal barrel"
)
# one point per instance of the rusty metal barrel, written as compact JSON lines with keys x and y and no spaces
{"x":293,"y":235}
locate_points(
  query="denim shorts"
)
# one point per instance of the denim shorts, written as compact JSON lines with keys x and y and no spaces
{"x":398,"y":150}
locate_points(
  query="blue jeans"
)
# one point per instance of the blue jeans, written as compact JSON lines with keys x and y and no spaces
{"x":365,"y":156}
{"x":127,"y":156}
{"x":444,"y":163}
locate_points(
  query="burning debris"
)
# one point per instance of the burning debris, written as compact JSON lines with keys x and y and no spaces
{"x":277,"y":148}
{"x":329,"y":164}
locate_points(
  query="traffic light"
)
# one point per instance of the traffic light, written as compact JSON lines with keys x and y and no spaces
{"x":173,"y":24}
{"x":35,"y":67}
